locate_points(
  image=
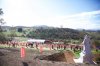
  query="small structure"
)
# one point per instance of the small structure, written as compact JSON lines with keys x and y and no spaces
{"x":36,"y":40}
{"x":86,"y":55}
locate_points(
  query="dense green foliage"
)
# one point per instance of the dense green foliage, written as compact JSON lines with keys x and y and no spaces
{"x":20,"y":29}
{"x":66,"y":34}
{"x":56,"y":33}
{"x":2,"y":36}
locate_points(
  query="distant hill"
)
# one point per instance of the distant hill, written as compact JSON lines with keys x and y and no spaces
{"x":42,"y":27}
{"x":48,"y":32}
{"x":47,"y":27}
{"x":6,"y":26}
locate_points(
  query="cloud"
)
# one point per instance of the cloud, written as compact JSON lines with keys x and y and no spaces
{"x":21,"y":13}
{"x":81,"y":20}
{"x":85,"y":20}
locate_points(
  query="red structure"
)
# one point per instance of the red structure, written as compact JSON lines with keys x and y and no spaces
{"x":22,"y":52}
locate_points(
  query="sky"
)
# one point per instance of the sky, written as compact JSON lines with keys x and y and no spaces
{"x":76,"y":14}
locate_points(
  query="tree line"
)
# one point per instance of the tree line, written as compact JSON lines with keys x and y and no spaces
{"x":56,"y":33}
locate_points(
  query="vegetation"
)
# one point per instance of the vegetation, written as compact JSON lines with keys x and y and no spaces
{"x":55,"y":33}
{"x":2,"y":35}
{"x":62,"y":34}
{"x":20,"y":29}
{"x":95,"y":52}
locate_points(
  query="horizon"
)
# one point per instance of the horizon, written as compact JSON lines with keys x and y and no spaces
{"x":44,"y":26}
{"x":75,"y":14}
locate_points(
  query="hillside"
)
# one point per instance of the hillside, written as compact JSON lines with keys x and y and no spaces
{"x":46,"y":32}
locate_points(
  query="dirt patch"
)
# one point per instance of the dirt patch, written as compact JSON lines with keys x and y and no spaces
{"x":1,"y":54}
{"x":62,"y":57}
{"x":11,"y":57}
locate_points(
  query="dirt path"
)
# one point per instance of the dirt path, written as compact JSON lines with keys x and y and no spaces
{"x":11,"y":57}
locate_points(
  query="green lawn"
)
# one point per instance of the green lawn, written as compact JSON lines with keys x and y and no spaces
{"x":77,"y":54}
{"x":17,"y":33}
{"x":95,"y":52}
{"x":22,"y":38}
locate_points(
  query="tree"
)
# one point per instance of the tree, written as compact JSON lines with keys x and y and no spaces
{"x":20,"y":29}
{"x":1,"y":20}
{"x":13,"y":32}
{"x":2,"y":36}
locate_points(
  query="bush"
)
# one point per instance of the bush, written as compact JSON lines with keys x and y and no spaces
{"x":98,"y":60}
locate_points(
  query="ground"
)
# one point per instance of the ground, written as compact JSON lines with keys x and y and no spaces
{"x":11,"y":57}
